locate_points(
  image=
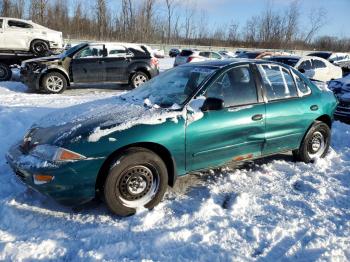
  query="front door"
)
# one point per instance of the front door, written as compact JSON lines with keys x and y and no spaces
{"x":286,"y":117}
{"x":233,"y":133}
{"x":88,"y":65}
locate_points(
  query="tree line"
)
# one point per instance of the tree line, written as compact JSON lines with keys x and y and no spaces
{"x":176,"y":22}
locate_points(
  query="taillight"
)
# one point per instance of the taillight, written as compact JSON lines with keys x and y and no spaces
{"x":190,"y":58}
{"x":154,"y":61}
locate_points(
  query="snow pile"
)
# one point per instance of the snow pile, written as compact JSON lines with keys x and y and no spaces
{"x":270,"y":210}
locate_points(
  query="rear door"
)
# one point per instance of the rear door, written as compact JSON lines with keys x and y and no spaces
{"x":321,"y":70}
{"x":116,"y":63}
{"x":287,"y":114}
{"x":234,"y":133}
{"x":17,"y":35}
{"x":88,"y":65}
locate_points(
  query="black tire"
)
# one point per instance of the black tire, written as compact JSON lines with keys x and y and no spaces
{"x":315,"y":143}
{"x":138,"y":178}
{"x":39,"y":47}
{"x":5,"y":72}
{"x":53,"y":83}
{"x":138,"y":79}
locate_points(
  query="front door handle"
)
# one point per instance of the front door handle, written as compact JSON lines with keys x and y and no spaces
{"x":257,"y":117}
{"x":314,"y":107}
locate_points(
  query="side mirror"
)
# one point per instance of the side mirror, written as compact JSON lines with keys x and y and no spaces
{"x":212,"y":104}
{"x":302,"y":70}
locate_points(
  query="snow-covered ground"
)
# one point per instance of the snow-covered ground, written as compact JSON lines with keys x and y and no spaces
{"x":269,"y":210}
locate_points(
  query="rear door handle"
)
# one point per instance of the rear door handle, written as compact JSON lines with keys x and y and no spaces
{"x":257,"y":117}
{"x":314,"y":107}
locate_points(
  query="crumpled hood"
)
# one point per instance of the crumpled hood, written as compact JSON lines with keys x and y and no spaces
{"x":95,"y":120}
{"x":43,"y":59}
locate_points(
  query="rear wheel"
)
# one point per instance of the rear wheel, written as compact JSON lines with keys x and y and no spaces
{"x":5,"y":72}
{"x":54,"y":83}
{"x":138,"y":79}
{"x":315,"y":144}
{"x":39,"y":47}
{"x":138,"y":178}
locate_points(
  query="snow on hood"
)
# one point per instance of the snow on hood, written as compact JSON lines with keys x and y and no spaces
{"x":103,"y":117}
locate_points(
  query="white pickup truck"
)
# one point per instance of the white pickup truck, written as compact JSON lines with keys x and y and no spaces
{"x":24,"y":35}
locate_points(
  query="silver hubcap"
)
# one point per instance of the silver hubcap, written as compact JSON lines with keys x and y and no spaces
{"x":137,"y":186}
{"x":139,"y":80}
{"x":54,"y":83}
{"x":316,"y":145}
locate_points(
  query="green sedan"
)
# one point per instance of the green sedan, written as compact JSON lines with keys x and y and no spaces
{"x":128,"y":149}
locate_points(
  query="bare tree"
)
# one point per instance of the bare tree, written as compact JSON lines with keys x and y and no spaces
{"x":317,"y":21}
{"x":170,"y":7}
{"x":101,"y":14}
{"x":6,"y":8}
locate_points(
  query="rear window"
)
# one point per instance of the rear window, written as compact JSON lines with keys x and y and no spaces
{"x":186,"y":53}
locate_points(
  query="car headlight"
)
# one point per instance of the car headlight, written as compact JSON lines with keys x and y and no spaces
{"x":55,"y":153}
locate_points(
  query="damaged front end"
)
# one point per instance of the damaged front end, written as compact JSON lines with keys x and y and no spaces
{"x":30,"y":74}
{"x":54,"y":170}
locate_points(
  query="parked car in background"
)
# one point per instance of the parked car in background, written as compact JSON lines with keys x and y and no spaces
{"x":158,"y":53}
{"x":128,"y":149}
{"x":332,"y":57}
{"x":91,"y":63}
{"x":24,"y":35}
{"x":250,"y":54}
{"x":227,"y":54}
{"x":313,"y":67}
{"x":238,"y":52}
{"x":342,"y":112}
{"x":191,"y":55}
{"x":340,"y":86}
{"x":174,"y":52}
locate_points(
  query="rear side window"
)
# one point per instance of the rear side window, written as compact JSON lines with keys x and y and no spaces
{"x":18,"y":24}
{"x":215,"y":55}
{"x":186,"y":53}
{"x":236,"y":87}
{"x":204,"y":54}
{"x":1,"y":23}
{"x":306,"y":65}
{"x":318,"y":64}
{"x":116,"y":51}
{"x":278,"y":82}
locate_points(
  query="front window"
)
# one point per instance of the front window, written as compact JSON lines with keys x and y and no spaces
{"x":236,"y":87}
{"x":173,"y":87}
{"x":306,"y":65}
{"x":91,"y":51}
{"x":278,"y":82}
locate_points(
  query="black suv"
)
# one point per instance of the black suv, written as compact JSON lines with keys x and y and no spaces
{"x":91,"y":63}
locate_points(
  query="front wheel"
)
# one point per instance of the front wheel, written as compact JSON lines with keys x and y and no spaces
{"x":315,"y":143}
{"x":138,"y":79}
{"x":5,"y":72}
{"x":139,"y":178}
{"x":54,"y":83}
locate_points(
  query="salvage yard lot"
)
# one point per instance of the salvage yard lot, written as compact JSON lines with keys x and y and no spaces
{"x":273,"y":209}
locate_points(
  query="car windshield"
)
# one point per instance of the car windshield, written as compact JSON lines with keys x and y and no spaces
{"x":173,"y":87}
{"x":72,"y":50}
